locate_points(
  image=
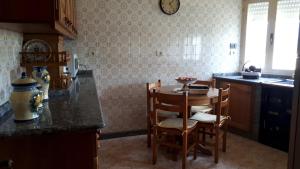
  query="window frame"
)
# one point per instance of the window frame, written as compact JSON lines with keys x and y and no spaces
{"x":270,"y":29}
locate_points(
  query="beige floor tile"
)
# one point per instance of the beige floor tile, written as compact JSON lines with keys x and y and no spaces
{"x":132,"y":153}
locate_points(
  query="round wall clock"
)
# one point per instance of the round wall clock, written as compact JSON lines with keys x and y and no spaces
{"x":169,"y":7}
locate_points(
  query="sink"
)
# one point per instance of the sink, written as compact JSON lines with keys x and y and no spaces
{"x":285,"y":82}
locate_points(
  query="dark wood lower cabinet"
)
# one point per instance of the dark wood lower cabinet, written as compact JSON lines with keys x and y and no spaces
{"x":241,"y":105}
{"x":62,"y":151}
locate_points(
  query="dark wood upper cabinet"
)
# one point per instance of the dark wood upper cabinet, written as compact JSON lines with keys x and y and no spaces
{"x":39,"y":16}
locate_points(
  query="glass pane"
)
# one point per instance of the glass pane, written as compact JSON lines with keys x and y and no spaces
{"x":286,"y":35}
{"x":256,"y":33}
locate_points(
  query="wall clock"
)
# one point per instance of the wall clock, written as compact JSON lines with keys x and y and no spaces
{"x":169,"y":7}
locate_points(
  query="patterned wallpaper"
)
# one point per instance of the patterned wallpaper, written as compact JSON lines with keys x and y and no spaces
{"x":10,"y":46}
{"x":130,"y":42}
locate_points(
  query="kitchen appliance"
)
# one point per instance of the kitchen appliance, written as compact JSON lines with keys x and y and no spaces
{"x":25,"y":98}
{"x":251,"y":73}
{"x":275,"y":117}
{"x":73,"y":66}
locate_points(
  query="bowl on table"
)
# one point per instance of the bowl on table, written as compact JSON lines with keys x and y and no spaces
{"x":185,"y":81}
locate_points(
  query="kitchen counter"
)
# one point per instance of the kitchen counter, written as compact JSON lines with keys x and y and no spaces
{"x":249,"y":97}
{"x":264,"y":80}
{"x":76,"y":109}
{"x":64,"y":136}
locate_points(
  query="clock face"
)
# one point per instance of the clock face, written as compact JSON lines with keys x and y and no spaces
{"x":169,"y":6}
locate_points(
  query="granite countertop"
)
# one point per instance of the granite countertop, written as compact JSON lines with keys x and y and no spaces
{"x":271,"y":80}
{"x":75,"y":110}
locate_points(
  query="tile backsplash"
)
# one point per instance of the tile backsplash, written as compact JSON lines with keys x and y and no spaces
{"x":130,"y":42}
{"x":10,"y":46}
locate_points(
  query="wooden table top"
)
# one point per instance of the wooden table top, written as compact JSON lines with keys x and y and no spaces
{"x":194,"y":99}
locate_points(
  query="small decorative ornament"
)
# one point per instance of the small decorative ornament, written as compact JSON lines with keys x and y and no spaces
{"x":169,"y":7}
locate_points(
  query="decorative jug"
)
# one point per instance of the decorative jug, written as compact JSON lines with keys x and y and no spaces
{"x":41,"y":75}
{"x":25,"y":98}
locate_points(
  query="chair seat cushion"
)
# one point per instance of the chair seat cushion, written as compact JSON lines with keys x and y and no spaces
{"x":167,"y":114}
{"x":203,"y":109}
{"x":177,"y":123}
{"x":207,"y":118}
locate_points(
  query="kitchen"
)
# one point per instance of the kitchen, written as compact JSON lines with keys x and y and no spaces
{"x":129,"y":43}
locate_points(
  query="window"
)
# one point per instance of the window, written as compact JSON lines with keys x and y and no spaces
{"x":271,"y":34}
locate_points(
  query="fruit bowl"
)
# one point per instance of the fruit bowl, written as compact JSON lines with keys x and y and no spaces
{"x":185,"y":81}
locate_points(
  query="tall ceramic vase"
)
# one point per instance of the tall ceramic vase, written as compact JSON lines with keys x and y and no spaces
{"x":41,"y":75}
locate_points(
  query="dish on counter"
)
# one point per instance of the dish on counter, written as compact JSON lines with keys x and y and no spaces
{"x":37,"y":46}
{"x":198,"y":89}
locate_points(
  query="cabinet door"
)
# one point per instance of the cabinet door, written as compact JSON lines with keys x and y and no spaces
{"x":241,"y":106}
{"x":67,"y":14}
{"x":62,"y":7}
{"x":73,"y":14}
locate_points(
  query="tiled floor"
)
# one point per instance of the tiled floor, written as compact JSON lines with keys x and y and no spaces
{"x":132,"y":153}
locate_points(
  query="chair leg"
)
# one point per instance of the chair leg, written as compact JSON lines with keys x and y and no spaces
{"x":203,"y":136}
{"x":184,"y":149}
{"x":189,"y":111}
{"x":154,"y":146}
{"x":217,"y":145}
{"x":225,"y":137}
{"x":174,"y":151}
{"x":196,"y":139}
{"x":148,"y":133}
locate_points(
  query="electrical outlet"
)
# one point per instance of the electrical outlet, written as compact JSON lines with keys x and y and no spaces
{"x":232,"y":45}
{"x":92,"y":52}
{"x":158,"y":53}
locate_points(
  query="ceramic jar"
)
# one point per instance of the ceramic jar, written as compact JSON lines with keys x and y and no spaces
{"x":41,"y":75}
{"x":25,"y":98}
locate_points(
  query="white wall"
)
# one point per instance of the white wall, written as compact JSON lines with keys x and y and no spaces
{"x":126,"y":37}
{"x":10,"y":46}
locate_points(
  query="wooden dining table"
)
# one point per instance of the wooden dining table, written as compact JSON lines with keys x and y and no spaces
{"x":194,"y":99}
{"x":211,"y":98}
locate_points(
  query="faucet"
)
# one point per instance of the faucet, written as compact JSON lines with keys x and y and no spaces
{"x":293,"y":76}
{"x":243,"y":68}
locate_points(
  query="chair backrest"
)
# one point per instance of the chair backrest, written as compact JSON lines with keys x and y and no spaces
{"x":172,"y":103}
{"x":209,"y":83}
{"x":149,"y":90}
{"x":223,"y":103}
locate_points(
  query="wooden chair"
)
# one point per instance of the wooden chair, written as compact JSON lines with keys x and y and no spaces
{"x":162,"y":114}
{"x":214,"y":122}
{"x":205,"y":108}
{"x":176,"y":127}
